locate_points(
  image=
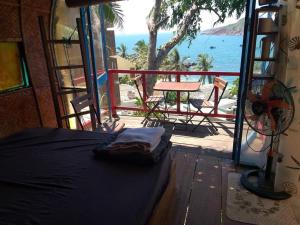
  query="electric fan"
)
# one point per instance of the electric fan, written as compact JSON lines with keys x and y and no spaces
{"x":269,"y":110}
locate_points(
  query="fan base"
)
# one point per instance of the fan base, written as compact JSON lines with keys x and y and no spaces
{"x":261,"y":186}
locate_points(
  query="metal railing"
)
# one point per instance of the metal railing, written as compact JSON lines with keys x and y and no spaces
{"x":177,"y":74}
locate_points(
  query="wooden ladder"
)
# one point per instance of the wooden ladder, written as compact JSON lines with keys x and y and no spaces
{"x":59,"y":92}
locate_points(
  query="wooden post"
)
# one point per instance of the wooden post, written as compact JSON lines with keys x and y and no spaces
{"x":216,"y":98}
{"x":178,"y":93}
{"x":85,"y":60}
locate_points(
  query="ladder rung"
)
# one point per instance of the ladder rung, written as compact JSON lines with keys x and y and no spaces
{"x":70,"y":91}
{"x":268,"y":9}
{"x":68,"y":67}
{"x":64,"y":41}
{"x":74,"y":115}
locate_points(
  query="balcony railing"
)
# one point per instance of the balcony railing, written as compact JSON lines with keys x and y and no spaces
{"x":178,"y":75}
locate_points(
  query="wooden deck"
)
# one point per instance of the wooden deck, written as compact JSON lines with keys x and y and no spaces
{"x":196,"y":194}
{"x":202,"y":140}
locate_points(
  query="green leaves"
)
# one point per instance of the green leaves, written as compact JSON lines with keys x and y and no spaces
{"x":177,"y":11}
{"x":139,"y":57}
{"x":204,"y":63}
{"x":122,"y":51}
{"x":113,"y":13}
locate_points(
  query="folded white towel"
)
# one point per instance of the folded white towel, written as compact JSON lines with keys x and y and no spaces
{"x":151,"y":136}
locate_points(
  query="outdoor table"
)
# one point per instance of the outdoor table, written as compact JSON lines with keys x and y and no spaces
{"x":178,"y":86}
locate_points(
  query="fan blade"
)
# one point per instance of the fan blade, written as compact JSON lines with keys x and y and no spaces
{"x":267,"y":90}
{"x":279,"y":104}
{"x":252,"y":97}
{"x":273,"y":122}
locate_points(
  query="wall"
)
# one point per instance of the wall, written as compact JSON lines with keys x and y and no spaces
{"x":30,"y":107}
{"x":286,"y":178}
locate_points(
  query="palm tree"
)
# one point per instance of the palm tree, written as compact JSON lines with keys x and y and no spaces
{"x":174,"y":62}
{"x":204,"y":63}
{"x":139,"y":57}
{"x":122,"y":50}
{"x":113,"y":14}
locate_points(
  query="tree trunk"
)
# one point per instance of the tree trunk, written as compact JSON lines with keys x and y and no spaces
{"x":155,"y":58}
{"x":153,"y":29}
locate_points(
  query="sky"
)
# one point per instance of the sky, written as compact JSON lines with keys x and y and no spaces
{"x":135,"y":12}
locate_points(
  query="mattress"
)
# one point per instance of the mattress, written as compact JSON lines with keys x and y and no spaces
{"x":51,"y":177}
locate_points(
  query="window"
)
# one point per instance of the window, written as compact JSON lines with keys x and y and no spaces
{"x":13,"y":69}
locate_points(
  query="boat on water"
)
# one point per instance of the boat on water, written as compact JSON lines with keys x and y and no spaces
{"x":212,"y":47}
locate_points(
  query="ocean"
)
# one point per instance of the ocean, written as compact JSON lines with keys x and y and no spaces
{"x":225,"y":50}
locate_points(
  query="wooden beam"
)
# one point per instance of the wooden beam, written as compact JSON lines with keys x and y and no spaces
{"x":81,"y":3}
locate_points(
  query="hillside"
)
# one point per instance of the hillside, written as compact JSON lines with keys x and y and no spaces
{"x":231,"y":29}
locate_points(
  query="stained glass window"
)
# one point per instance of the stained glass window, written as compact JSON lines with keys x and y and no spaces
{"x":13,"y":70}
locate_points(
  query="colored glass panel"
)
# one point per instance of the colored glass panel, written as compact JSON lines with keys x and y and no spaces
{"x":13,"y":73}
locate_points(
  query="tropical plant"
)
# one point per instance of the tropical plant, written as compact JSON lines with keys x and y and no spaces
{"x":139,"y":57}
{"x":185,"y":17}
{"x":235,"y":87}
{"x":122,"y":50}
{"x":174,"y":62}
{"x":204,"y":63}
{"x":113,"y":13}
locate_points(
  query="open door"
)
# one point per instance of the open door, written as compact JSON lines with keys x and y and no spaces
{"x":243,"y":83}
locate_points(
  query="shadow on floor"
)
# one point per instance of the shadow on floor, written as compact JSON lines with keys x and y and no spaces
{"x":202,"y":151}
{"x":188,"y":130}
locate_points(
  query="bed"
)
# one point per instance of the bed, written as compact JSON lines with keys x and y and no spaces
{"x":51,"y":177}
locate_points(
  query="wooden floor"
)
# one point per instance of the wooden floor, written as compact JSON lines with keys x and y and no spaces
{"x":202,"y":140}
{"x":196,"y":194}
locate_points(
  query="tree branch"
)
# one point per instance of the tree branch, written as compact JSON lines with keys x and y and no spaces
{"x":183,"y":27}
{"x":154,"y":15}
{"x":162,"y":22}
{"x":215,"y":12}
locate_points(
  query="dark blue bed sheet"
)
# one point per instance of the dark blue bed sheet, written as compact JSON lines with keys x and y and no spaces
{"x":51,"y":177}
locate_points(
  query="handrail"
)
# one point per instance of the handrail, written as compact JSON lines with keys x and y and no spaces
{"x":170,"y":72}
{"x":113,"y":72}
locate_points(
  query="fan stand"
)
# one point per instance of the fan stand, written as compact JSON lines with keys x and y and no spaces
{"x":262,"y":182}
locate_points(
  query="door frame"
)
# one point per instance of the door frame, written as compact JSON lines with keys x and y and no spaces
{"x":244,"y":78}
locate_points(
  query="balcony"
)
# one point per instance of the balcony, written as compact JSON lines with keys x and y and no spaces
{"x":202,"y":140}
{"x":199,"y":181}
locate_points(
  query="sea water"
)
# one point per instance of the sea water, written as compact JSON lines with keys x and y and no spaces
{"x":226,"y":50}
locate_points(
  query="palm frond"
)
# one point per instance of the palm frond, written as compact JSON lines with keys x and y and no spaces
{"x":114,"y":14}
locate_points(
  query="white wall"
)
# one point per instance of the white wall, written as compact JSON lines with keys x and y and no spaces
{"x":289,"y":179}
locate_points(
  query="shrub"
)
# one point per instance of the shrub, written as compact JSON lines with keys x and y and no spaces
{"x":235,"y":87}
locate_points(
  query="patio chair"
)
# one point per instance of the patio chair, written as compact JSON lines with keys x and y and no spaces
{"x":150,"y":102}
{"x":85,"y":101}
{"x":201,"y":104}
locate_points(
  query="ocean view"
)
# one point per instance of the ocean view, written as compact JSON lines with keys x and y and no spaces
{"x":226,"y":50}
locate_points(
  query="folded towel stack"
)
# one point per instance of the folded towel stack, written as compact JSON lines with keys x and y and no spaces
{"x":138,"y":145}
{"x":147,"y":139}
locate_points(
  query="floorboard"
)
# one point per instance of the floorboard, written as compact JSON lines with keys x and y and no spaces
{"x":197,"y":191}
{"x":185,"y":170}
{"x":205,"y":203}
{"x":173,"y":205}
